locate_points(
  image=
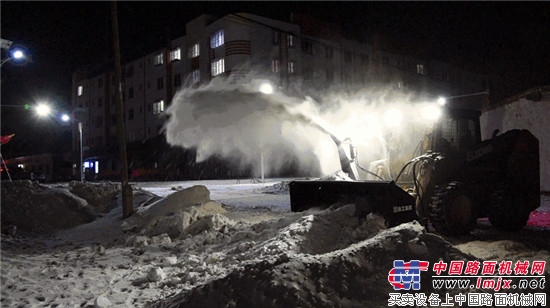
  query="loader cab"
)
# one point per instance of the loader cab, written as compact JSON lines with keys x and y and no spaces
{"x":456,"y":132}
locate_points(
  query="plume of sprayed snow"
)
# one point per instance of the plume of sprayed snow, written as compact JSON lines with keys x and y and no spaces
{"x":234,"y":120}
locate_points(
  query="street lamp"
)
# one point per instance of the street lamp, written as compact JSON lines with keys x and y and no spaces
{"x":43,"y":110}
{"x":16,"y":54}
{"x":442,"y":100}
{"x":266,"y":88}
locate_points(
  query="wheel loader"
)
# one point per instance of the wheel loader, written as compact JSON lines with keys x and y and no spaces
{"x":457,"y":179}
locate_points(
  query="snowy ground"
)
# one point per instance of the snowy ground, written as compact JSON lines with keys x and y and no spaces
{"x":226,"y":244}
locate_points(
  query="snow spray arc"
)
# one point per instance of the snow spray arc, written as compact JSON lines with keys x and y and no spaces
{"x":234,"y":120}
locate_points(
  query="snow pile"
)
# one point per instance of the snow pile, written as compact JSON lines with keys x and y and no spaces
{"x":188,"y":211}
{"x":188,"y":250}
{"x":316,"y":258}
{"x":33,"y":207}
{"x":346,"y":276}
{"x":98,"y":195}
{"x":277,"y":188}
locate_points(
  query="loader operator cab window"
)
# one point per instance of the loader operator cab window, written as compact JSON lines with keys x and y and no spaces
{"x":456,"y":134}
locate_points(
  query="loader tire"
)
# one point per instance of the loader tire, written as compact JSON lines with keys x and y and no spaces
{"x":506,"y":212}
{"x":451,"y":211}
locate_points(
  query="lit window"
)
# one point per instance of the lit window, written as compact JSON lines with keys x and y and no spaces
{"x":217,"y":39}
{"x":420,"y":69}
{"x":291,"y":67}
{"x":275,"y":65}
{"x":158,"y":107}
{"x":290,"y":40}
{"x":158,"y":59}
{"x":196,"y":76}
{"x":218,"y":67}
{"x":80,"y":90}
{"x":175,"y":55}
{"x":194,"y":51}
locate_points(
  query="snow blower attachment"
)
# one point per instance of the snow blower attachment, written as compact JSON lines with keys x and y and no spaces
{"x":381,"y":197}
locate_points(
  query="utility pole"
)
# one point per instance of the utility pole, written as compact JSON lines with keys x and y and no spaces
{"x":127,"y":196}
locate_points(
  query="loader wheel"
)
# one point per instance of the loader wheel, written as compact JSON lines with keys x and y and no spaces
{"x":451,"y":211}
{"x":506,"y":212}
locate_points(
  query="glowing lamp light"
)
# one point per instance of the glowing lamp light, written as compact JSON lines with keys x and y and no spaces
{"x":431,"y":112}
{"x":266,"y":88}
{"x":441,"y":101}
{"x":43,"y":110}
{"x":65,"y":117}
{"x":393,"y":117}
{"x":17,"y":54}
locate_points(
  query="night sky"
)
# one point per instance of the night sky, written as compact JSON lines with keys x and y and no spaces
{"x":505,"y":38}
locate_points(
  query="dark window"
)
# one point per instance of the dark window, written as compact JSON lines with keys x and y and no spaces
{"x":348,"y":56}
{"x":308,"y":73}
{"x":130,"y":114}
{"x":276,"y":37}
{"x":98,"y":121}
{"x":307,"y":47}
{"x":329,"y":52}
{"x":177,"y":80}
{"x":130,"y":71}
{"x":330,"y":75}
{"x":160,"y":84}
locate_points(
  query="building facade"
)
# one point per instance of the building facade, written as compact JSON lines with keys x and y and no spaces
{"x":305,"y":54}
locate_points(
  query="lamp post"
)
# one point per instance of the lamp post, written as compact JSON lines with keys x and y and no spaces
{"x":265,"y":88}
{"x":44,"y":110}
{"x":81,"y":153}
{"x":66,"y":118}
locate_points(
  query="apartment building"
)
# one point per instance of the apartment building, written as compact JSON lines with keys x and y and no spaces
{"x":304,"y":53}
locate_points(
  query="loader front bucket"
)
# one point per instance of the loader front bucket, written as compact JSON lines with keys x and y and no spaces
{"x":381,"y":197}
